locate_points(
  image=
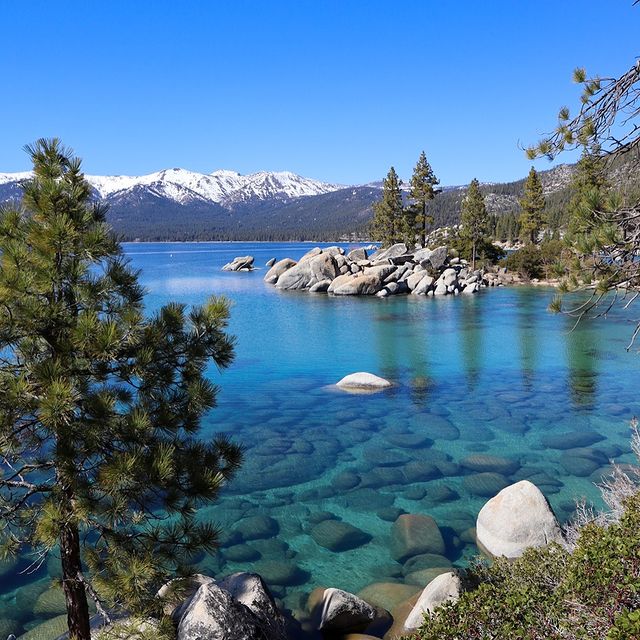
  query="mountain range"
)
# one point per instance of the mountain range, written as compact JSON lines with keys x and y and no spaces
{"x":176,"y":204}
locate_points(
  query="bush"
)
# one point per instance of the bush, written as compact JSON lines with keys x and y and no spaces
{"x":534,"y":261}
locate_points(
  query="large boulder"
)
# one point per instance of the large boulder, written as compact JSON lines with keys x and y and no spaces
{"x":357,"y":254}
{"x":414,"y":534}
{"x":339,"y":281}
{"x":241,"y":263}
{"x":237,"y":608}
{"x":392,"y":252}
{"x":517,"y":518}
{"x":308,"y":272}
{"x":278,"y":269}
{"x":365,"y":285}
{"x":341,"y":612}
{"x":437,"y":258}
{"x":363,"y":381}
{"x":444,"y":588}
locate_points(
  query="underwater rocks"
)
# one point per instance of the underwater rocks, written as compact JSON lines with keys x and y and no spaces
{"x":415,"y":534}
{"x":392,"y":271}
{"x":338,"y":536}
{"x":518,"y":517}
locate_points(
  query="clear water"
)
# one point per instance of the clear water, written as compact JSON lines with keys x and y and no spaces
{"x":492,"y":374}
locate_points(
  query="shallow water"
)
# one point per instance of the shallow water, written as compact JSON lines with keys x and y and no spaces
{"x":492,"y":374}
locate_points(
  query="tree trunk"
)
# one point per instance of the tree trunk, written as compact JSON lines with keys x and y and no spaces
{"x":74,"y":592}
{"x":473,"y":256}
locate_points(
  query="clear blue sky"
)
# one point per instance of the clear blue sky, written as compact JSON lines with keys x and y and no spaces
{"x":336,"y":90}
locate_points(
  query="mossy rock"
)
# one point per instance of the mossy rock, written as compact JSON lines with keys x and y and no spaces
{"x":47,"y":630}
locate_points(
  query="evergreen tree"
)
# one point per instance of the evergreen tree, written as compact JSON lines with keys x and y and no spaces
{"x":532,"y":205}
{"x":473,"y":217}
{"x":589,"y":187}
{"x":99,"y":407}
{"x":387,"y":226}
{"x":422,"y":191}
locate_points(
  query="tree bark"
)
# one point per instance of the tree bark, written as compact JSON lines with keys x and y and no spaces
{"x":74,"y":592}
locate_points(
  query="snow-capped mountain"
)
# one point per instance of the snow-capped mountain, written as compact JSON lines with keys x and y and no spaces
{"x":221,"y":187}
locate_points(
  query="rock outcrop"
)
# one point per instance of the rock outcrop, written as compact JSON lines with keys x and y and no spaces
{"x":241,"y":263}
{"x":517,"y":518}
{"x":387,"y":272}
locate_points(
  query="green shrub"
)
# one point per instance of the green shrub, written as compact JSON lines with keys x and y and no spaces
{"x":533,"y":261}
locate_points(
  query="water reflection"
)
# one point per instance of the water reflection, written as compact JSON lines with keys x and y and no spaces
{"x":582,"y":362}
{"x":471,"y":339}
{"x":527,"y":315}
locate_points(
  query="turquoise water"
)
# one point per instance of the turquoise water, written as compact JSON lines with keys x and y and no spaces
{"x":492,"y":374}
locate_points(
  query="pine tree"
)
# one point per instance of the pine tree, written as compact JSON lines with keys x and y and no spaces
{"x":100,"y":407}
{"x":473,"y":217}
{"x":387,"y":225}
{"x":422,"y":191}
{"x":532,"y":205}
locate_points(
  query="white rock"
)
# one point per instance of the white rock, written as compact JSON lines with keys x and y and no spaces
{"x":517,"y":518}
{"x":363,"y":381}
{"x":444,"y":588}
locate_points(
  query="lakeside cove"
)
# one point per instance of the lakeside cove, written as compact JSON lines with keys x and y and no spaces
{"x":488,"y":390}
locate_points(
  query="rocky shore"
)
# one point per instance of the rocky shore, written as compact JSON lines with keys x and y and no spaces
{"x":383,"y":273}
{"x":241,"y":607}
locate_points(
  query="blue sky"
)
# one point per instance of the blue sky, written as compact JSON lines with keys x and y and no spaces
{"x":335,"y":90}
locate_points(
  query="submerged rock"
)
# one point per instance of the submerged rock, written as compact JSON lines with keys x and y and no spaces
{"x":414,"y":534}
{"x":338,"y":536}
{"x":517,"y":518}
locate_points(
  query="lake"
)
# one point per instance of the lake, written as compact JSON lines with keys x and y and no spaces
{"x":493,"y":375}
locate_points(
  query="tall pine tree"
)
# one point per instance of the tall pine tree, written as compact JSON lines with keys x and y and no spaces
{"x":387,"y":225}
{"x":473,"y":218}
{"x":422,"y":191}
{"x":100,"y":407}
{"x":532,"y":205}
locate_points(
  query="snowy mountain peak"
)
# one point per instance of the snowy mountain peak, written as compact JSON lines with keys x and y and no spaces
{"x":223,"y":186}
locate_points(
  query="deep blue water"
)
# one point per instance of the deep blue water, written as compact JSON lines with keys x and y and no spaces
{"x":493,"y":374}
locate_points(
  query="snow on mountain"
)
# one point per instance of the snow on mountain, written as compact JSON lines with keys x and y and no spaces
{"x":222,"y":187}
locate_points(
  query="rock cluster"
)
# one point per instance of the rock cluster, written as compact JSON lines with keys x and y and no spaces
{"x":392,"y":271}
{"x":240,"y":263}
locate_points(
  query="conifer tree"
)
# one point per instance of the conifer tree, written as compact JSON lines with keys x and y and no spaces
{"x":422,"y":191}
{"x":100,"y":407}
{"x":473,"y":217}
{"x":532,"y":205}
{"x":387,"y":226}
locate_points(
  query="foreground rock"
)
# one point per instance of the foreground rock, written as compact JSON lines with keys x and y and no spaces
{"x":517,"y":518}
{"x":363,"y":381}
{"x":444,"y":588}
{"x":236,"y":608}
{"x":241,"y":263}
{"x":338,"y":611}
